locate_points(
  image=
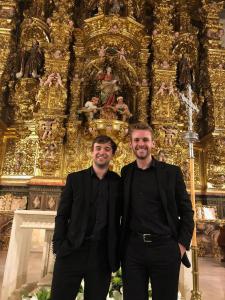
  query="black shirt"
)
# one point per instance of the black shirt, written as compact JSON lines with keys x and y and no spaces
{"x":147,"y":213}
{"x":97,"y":219}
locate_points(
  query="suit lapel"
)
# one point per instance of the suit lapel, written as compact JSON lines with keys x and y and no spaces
{"x":86,"y":185}
{"x":127,"y":189}
{"x":162,"y":179}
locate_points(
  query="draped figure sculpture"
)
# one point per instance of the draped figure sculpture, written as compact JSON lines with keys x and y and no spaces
{"x":109,"y":87}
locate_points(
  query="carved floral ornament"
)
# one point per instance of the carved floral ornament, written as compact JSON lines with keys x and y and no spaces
{"x":142,"y":46}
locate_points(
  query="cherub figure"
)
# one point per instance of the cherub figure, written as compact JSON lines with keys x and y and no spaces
{"x":114,"y":28}
{"x":121,"y":54}
{"x":161,"y":89}
{"x":52,"y":78}
{"x":170,"y":133}
{"x":102,"y":51}
{"x":58,"y":80}
{"x":122,"y":109}
{"x":57,"y":54}
{"x":171,"y":90}
{"x":47,"y":128}
{"x":49,"y":80}
{"x":90,"y":108}
{"x":165,"y":65}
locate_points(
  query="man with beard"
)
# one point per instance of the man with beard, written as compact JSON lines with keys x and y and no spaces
{"x":157,"y":222}
{"x":86,"y":228}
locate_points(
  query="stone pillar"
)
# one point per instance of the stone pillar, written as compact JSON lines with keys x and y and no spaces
{"x":47,"y":258}
{"x":18,"y":254}
{"x":19,"y":247}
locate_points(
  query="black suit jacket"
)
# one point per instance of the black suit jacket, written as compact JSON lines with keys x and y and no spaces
{"x":73,"y":211}
{"x":175,"y":202}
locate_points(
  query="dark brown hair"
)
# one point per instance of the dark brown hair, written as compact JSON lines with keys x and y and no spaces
{"x":103,"y":139}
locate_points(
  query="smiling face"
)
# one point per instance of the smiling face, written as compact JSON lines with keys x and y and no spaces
{"x":102,"y":154}
{"x":120,"y":100}
{"x":142,"y":143}
{"x":95,"y":100}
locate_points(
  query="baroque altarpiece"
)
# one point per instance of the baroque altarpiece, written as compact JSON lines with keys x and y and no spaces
{"x":70,"y":70}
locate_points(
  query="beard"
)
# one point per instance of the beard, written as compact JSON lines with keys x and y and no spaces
{"x":142,"y":156}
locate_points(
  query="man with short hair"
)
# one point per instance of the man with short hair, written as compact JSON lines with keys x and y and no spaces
{"x":86,"y":228}
{"x":157,"y":222}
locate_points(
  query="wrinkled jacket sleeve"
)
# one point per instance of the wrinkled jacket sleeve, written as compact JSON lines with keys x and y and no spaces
{"x":63,"y":215}
{"x":185,"y":212}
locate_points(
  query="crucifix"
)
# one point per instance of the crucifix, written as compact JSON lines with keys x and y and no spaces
{"x":190,"y":136}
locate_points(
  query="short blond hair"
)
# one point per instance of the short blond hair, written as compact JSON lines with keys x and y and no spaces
{"x":140,"y":126}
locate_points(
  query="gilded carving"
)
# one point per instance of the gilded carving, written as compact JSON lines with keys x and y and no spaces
{"x":24,"y":98}
{"x":52,"y":94}
{"x":20,"y":157}
{"x":135,"y":58}
{"x":166,"y":103}
{"x":10,"y":202}
{"x":216,"y":161}
{"x":50,"y":132}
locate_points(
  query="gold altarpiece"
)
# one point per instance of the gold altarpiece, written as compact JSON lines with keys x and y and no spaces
{"x":56,"y":55}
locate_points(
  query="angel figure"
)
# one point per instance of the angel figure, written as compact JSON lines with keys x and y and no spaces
{"x":102,"y":51}
{"x":49,"y":80}
{"x":165,"y":65}
{"x":122,"y":109}
{"x":47,"y":129}
{"x":171,"y":90}
{"x":90,"y":108}
{"x":52,"y":78}
{"x":161,"y":89}
{"x":170,"y":134}
{"x":58,"y":80}
{"x":114,"y":28}
{"x":121,"y":54}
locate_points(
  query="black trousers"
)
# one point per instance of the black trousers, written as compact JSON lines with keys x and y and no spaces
{"x":158,"y":262}
{"x":90,"y":263}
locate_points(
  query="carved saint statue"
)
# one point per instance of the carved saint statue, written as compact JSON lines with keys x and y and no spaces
{"x":109,"y":87}
{"x":114,"y":7}
{"x":31,"y":62}
{"x":184,"y":73}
